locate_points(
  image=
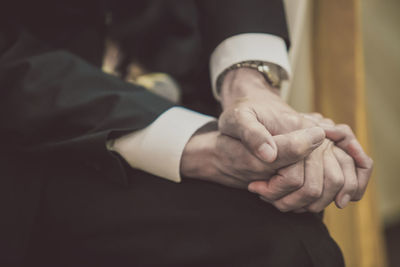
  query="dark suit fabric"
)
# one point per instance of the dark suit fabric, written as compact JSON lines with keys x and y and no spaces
{"x":67,"y":201}
{"x":153,"y":222}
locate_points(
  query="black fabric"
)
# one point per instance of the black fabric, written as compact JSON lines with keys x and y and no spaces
{"x":222,"y":19}
{"x":153,"y":222}
{"x":67,"y":201}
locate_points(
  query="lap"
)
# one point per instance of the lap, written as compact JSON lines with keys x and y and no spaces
{"x":153,"y":222}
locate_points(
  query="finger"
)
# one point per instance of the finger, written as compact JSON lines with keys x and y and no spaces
{"x":364,"y":166}
{"x":333,"y":181}
{"x":355,"y":150}
{"x":286,"y":181}
{"x":339,"y":133}
{"x":344,"y":138}
{"x":242,"y":124}
{"x":292,"y":149}
{"x":297,"y":145}
{"x":312,"y":187}
{"x":350,"y":178}
{"x":363,"y":175}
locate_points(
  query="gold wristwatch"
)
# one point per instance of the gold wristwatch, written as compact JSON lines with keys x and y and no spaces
{"x":271,"y":72}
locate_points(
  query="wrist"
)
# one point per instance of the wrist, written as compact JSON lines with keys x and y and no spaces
{"x":198,"y":155}
{"x":244,"y":83}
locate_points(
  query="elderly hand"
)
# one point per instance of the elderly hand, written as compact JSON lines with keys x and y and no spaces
{"x":219,"y":158}
{"x":253,"y":113}
{"x":345,"y":139}
{"x":329,"y":174}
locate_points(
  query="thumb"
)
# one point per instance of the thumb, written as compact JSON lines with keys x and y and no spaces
{"x":297,"y":145}
{"x":244,"y":125}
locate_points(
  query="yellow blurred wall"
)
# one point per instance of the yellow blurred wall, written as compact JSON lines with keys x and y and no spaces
{"x":381,"y":34}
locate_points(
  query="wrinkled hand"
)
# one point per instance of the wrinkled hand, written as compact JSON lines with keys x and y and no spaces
{"x":346,"y":140}
{"x":219,"y":158}
{"x":253,"y":113}
{"x":329,"y":175}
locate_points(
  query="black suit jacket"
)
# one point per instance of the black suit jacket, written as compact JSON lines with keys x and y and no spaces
{"x":57,"y":108}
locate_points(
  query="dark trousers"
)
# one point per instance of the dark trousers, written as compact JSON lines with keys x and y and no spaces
{"x":154,"y":222}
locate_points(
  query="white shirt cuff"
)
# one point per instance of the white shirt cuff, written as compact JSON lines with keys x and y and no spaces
{"x":245,"y":47}
{"x":158,"y":148}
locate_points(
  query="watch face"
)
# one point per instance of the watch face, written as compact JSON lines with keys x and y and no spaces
{"x":264,"y":68}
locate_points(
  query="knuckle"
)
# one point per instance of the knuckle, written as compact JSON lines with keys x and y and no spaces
{"x":337,"y":181}
{"x":282,"y":205}
{"x":313,"y":192}
{"x":297,"y":146}
{"x":240,"y":112}
{"x":236,"y":114}
{"x":294,"y":121}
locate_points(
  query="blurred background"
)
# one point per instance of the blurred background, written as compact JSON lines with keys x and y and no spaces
{"x":346,"y":65}
{"x":381,"y":36}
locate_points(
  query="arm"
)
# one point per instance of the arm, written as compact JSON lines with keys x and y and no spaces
{"x":58,"y":107}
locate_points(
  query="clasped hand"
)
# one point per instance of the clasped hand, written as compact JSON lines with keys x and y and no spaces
{"x":297,"y":162}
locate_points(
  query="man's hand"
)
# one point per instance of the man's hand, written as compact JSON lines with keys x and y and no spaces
{"x":218,"y":158}
{"x":326,"y":178}
{"x":253,"y":113}
{"x":346,"y":140}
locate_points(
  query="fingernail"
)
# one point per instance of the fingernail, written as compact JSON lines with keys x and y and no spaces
{"x":317,"y":135}
{"x":344,"y":201}
{"x":266,"y":152}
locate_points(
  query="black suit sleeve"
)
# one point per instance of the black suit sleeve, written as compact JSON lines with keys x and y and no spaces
{"x":57,"y":107}
{"x":222,"y":19}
